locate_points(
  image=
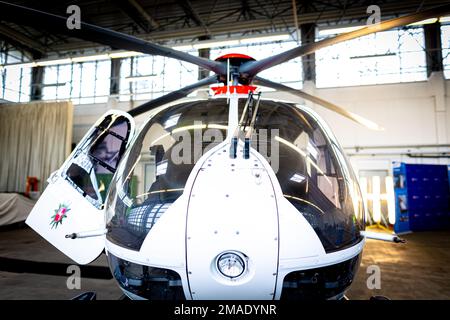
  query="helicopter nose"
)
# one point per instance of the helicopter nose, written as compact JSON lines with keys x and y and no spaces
{"x":232,"y":229}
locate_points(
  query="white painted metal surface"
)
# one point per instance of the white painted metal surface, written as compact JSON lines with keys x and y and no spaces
{"x":232,"y":207}
{"x":82,"y":216}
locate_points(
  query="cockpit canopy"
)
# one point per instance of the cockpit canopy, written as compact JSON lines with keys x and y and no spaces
{"x":311,"y":168}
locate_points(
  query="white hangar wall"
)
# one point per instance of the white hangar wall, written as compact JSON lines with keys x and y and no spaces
{"x":415,"y":117}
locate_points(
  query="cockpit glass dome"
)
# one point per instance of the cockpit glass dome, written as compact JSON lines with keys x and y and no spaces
{"x":313,"y":173}
{"x":155,"y":168}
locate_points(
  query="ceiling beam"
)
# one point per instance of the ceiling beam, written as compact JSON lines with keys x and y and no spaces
{"x":18,"y":39}
{"x":132,"y":13}
{"x":224,"y":25}
{"x":144,"y":13}
{"x":246,"y":10}
{"x":192,"y":14}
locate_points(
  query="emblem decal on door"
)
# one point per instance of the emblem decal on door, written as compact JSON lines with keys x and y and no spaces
{"x":60,"y":215}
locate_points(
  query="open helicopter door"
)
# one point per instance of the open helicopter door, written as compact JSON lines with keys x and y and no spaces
{"x":72,"y":204}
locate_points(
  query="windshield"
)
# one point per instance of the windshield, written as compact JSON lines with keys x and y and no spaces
{"x":314,"y":174}
{"x":157,"y":166}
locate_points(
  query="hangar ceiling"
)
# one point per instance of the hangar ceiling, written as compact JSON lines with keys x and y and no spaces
{"x":171,"y":22}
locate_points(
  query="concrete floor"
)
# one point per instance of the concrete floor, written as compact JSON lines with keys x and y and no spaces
{"x":419,"y":269}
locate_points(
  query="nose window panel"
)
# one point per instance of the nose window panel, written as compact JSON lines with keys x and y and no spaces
{"x":147,"y":282}
{"x":320,"y":283}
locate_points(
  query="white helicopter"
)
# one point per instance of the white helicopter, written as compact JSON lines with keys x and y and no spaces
{"x":214,"y":220}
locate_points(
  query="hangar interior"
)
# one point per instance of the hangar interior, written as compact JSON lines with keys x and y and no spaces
{"x":398,"y":79}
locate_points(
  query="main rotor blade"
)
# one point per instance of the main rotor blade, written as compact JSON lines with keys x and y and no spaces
{"x":58,"y":24}
{"x":328,"y":105}
{"x":174,"y":95}
{"x":251,"y":68}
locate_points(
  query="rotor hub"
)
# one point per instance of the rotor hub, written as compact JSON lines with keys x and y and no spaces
{"x":235,"y":60}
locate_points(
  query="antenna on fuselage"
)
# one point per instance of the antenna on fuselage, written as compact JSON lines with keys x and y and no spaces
{"x":249,"y":118}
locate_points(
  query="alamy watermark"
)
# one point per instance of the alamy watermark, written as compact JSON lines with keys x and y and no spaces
{"x":374,"y":279}
{"x":74,"y":20}
{"x":188,"y":147}
{"x":74,"y":279}
{"x":375,"y":15}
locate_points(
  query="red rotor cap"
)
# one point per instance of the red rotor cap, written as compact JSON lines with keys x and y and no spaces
{"x":234,"y":56}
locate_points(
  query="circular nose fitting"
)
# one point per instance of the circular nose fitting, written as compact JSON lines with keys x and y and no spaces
{"x":231,"y":264}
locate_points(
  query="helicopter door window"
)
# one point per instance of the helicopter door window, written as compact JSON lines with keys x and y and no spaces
{"x":106,"y":152}
{"x":82,"y":180}
{"x":120,"y":129}
{"x":95,"y":162}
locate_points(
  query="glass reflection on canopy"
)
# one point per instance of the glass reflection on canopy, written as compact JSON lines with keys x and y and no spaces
{"x":313,"y":172}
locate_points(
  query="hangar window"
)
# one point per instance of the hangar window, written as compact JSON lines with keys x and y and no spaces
{"x":385,"y":57}
{"x":86,"y":82}
{"x":445,"y":40}
{"x":148,"y":77}
{"x":14,"y":81}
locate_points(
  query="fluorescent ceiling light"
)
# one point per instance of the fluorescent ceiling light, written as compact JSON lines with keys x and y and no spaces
{"x":183,"y":47}
{"x":211,"y":44}
{"x":53,"y":62}
{"x":161,"y":168}
{"x":124,"y":54}
{"x":19,"y":65}
{"x":278,"y":37}
{"x":173,"y":120}
{"x":232,"y":42}
{"x":127,"y":54}
{"x":91,"y":58}
{"x":339,"y":30}
{"x":299,"y":178}
{"x":426,"y":21}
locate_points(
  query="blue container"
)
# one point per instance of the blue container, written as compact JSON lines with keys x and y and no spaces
{"x":422,"y":194}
